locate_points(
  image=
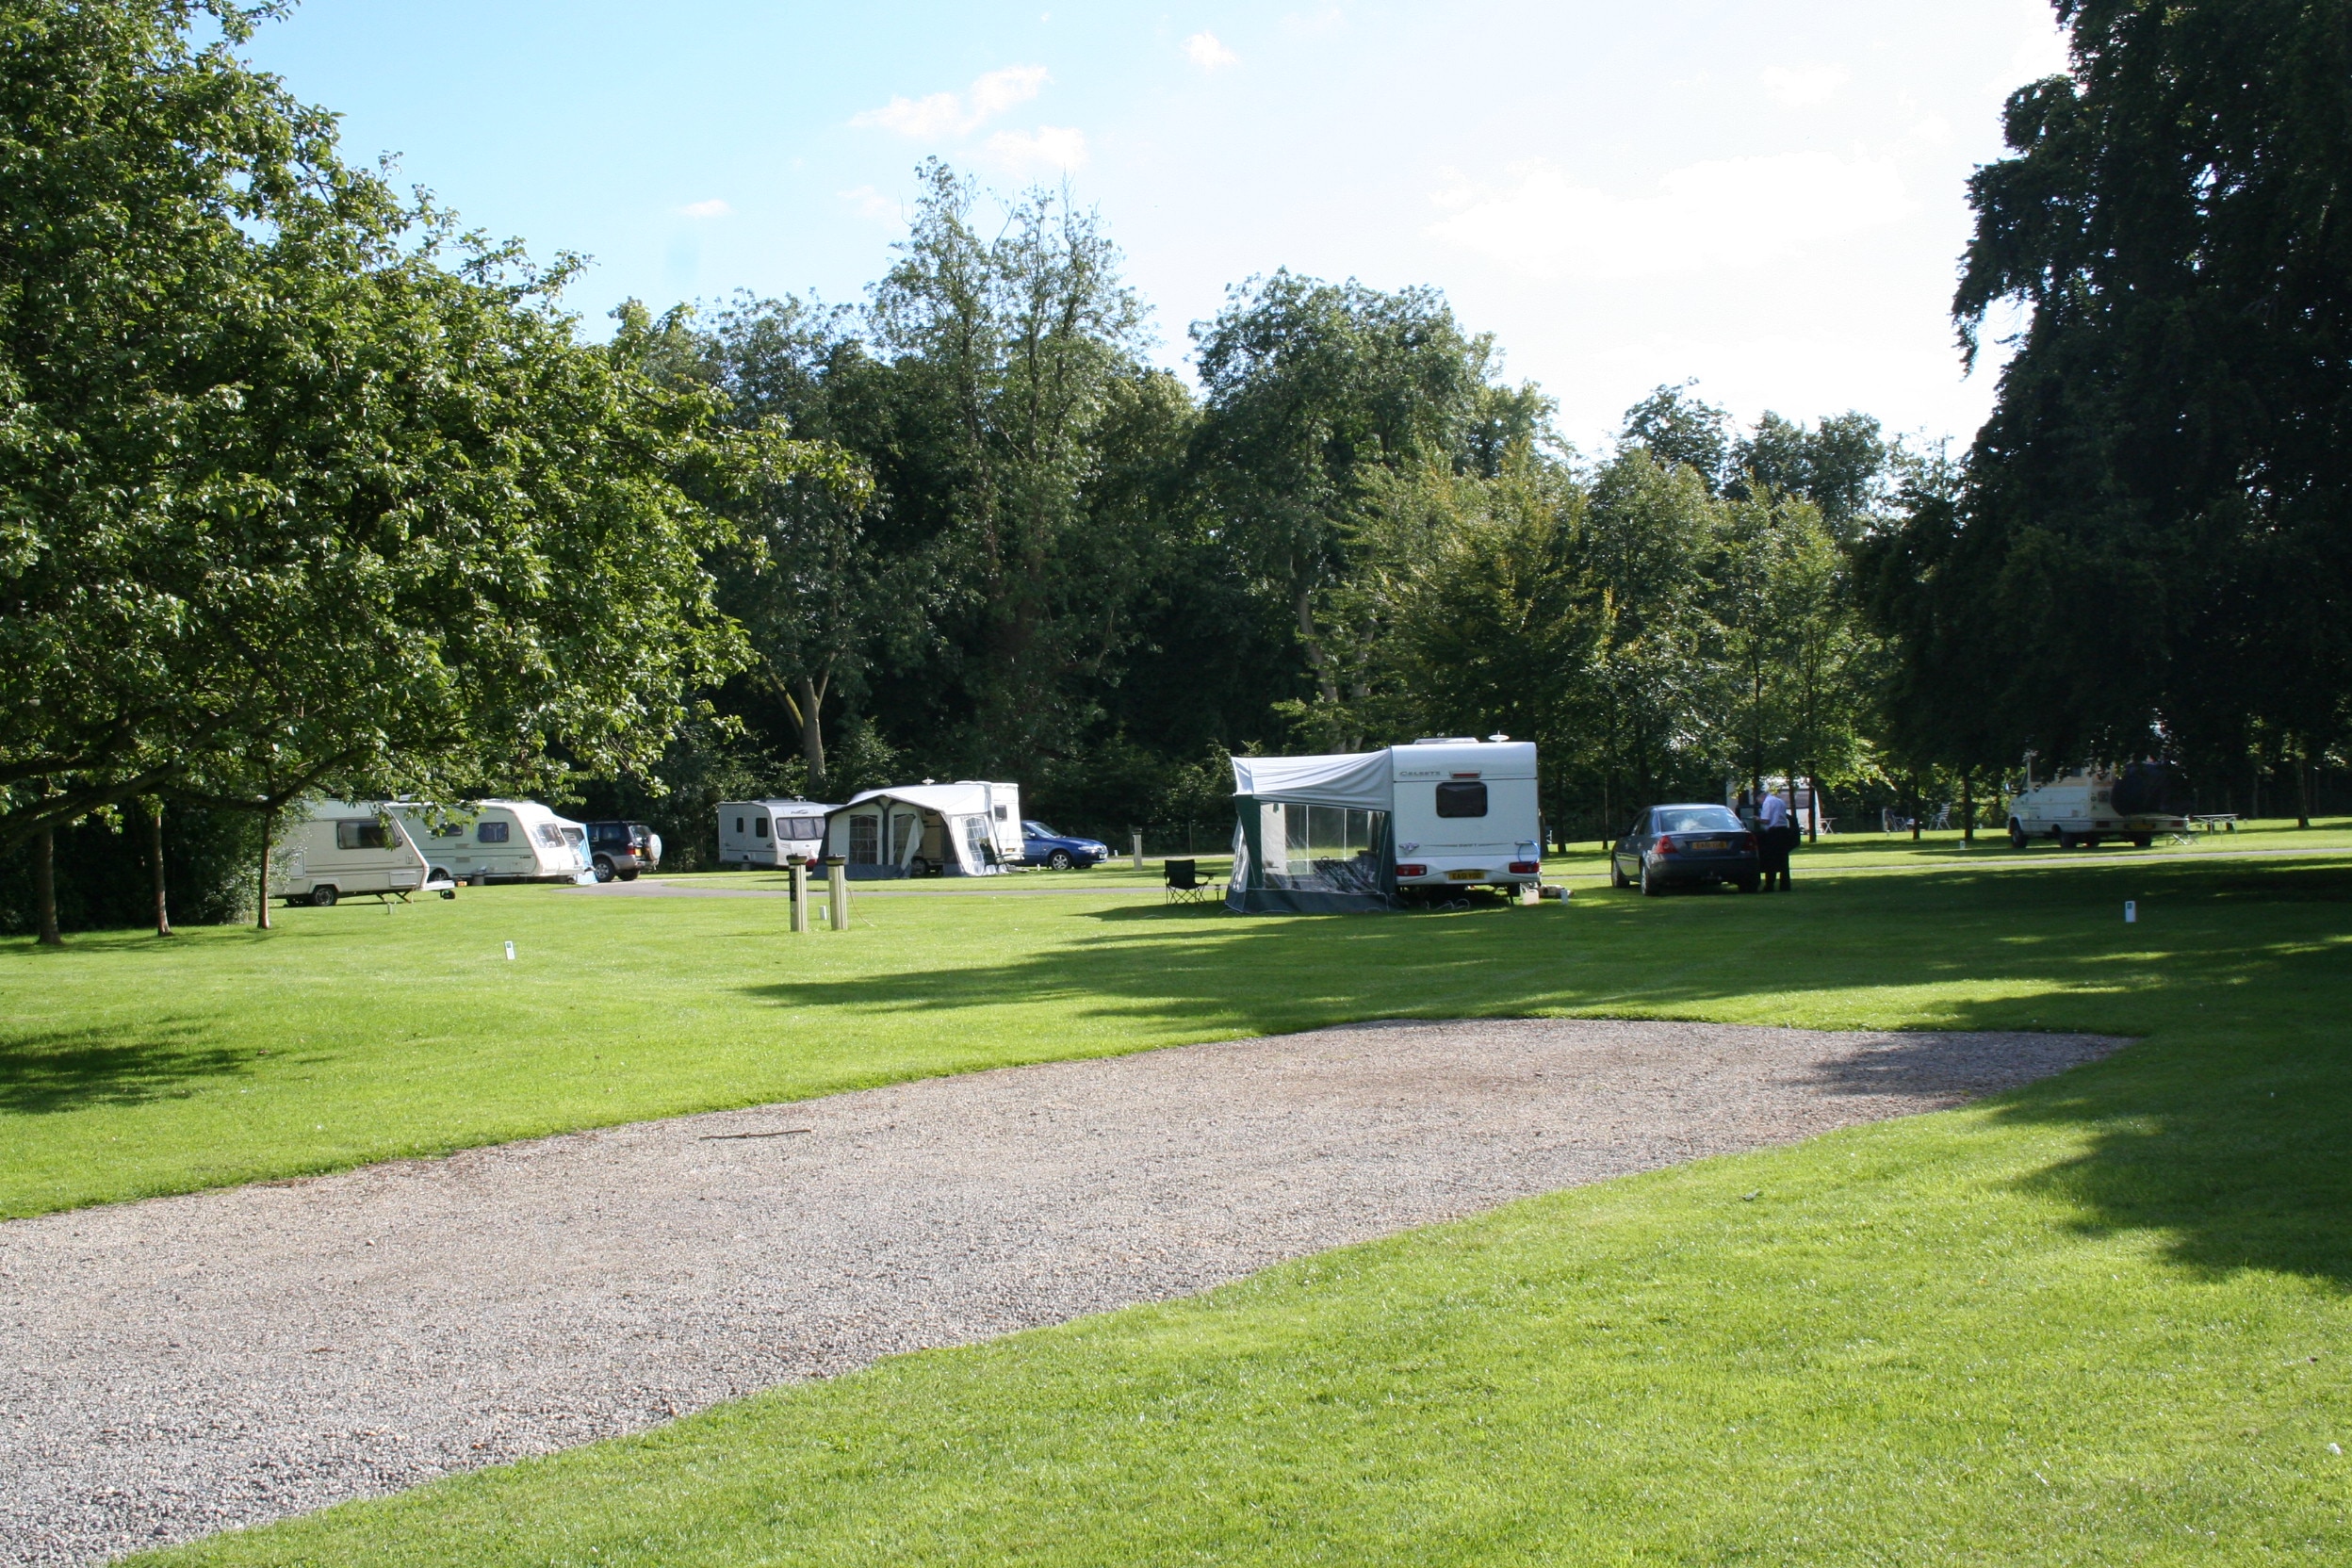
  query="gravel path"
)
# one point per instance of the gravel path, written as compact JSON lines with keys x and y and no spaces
{"x":176,"y":1366}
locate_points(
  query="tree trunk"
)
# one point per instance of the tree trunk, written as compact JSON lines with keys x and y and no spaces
{"x":1813,"y":823}
{"x":1918,"y":807}
{"x":1325,"y":682}
{"x":811,"y":704}
{"x":2303,"y":787}
{"x":155,"y":857}
{"x":45,"y":886}
{"x":1967,"y":808}
{"x":261,"y":902}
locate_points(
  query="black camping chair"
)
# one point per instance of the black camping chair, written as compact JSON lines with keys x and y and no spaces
{"x":1183,"y":881}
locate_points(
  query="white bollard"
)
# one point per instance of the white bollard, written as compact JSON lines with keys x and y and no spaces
{"x":2131,"y":911}
{"x":1138,"y":851}
{"x":510,"y":952}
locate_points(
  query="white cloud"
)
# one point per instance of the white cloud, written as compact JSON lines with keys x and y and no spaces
{"x":1047,"y":149}
{"x":1208,"y":51}
{"x":871,"y":203}
{"x":1726,"y":213}
{"x":712,"y":208}
{"x":957,"y":114}
{"x":1805,"y":86}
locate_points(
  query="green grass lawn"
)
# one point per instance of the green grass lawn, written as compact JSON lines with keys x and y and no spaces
{"x":2103,"y":1319}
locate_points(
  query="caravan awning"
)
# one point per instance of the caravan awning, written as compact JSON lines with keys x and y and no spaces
{"x":1358,"y":780}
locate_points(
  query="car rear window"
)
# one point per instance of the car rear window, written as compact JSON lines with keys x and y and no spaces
{"x":1462,"y":800}
{"x":1698,"y":819}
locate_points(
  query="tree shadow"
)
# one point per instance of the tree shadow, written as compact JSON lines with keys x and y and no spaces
{"x":2221,"y":1129}
{"x":69,"y":1070}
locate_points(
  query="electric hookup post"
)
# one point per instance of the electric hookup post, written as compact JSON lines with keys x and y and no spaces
{"x":837,"y":891}
{"x":800,"y":895}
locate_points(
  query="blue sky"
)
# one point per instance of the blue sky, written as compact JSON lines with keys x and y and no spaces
{"x":1766,"y":197}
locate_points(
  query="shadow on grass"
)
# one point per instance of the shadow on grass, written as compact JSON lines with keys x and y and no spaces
{"x":67,"y":1069}
{"x":2221,"y":1130}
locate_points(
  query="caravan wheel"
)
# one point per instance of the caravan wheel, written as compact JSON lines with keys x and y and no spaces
{"x":917,"y":867}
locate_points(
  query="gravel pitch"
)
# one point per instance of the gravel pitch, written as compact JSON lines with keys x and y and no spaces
{"x":178,"y":1366}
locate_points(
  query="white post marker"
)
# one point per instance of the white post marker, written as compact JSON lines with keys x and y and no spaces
{"x":510,"y":952}
{"x":1138,"y":851}
{"x":2131,"y":911}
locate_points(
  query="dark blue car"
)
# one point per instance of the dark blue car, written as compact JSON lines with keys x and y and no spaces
{"x":1041,"y":846}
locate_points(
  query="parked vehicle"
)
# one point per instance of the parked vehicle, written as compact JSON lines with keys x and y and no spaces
{"x":968,"y":828}
{"x":623,"y":850}
{"x":340,"y":850}
{"x":771,"y":832}
{"x":1466,"y":812}
{"x":2088,"y":804}
{"x":1042,"y":847}
{"x":1686,"y":846}
{"x":498,"y":840}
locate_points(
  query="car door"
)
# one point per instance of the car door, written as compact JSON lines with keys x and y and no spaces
{"x":1627,"y":856}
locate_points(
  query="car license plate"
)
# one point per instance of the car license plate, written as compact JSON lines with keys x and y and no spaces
{"x":1463,"y":876}
{"x":1716,"y":844}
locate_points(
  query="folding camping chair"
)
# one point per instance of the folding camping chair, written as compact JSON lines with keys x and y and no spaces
{"x":1182,"y":880}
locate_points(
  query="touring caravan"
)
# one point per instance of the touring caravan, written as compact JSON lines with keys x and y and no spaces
{"x":967,"y":828}
{"x":339,"y":850}
{"x":771,"y":832}
{"x":1369,"y":831}
{"x":498,"y":840}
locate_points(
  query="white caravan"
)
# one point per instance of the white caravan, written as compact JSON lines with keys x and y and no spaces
{"x":498,"y":840}
{"x":340,"y":850}
{"x":1351,"y":831}
{"x":2089,"y":804}
{"x":968,"y":828}
{"x":771,"y":832}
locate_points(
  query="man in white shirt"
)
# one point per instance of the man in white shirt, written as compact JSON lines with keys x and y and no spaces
{"x":1775,"y":840}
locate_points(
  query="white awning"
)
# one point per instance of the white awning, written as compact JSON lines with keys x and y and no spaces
{"x":1353,"y":778}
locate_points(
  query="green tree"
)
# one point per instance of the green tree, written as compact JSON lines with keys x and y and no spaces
{"x":298,"y":491}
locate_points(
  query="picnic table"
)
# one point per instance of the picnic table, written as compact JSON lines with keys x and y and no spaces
{"x":2225,"y":822}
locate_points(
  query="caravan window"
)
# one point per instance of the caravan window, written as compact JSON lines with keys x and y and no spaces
{"x":550,"y":835}
{"x":450,"y":830}
{"x":1462,"y":800}
{"x":805,"y":827}
{"x":865,"y":840}
{"x":490,"y":832}
{"x":759,"y":828}
{"x":360,"y":833}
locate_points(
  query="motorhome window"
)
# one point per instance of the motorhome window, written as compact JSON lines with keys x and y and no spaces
{"x":1329,"y":849}
{"x":865,"y":840}
{"x":759,"y":828}
{"x":1462,"y":800}
{"x":490,"y":832}
{"x":739,"y":824}
{"x":1698,"y":819}
{"x":360,"y":833}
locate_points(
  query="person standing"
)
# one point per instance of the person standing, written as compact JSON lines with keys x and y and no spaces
{"x":1776,"y":839}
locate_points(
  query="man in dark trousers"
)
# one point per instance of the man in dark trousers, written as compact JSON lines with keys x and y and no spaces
{"x":1777,"y":837}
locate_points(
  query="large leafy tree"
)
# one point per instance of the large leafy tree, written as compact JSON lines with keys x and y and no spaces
{"x":297,"y":490}
{"x":2156,"y":519}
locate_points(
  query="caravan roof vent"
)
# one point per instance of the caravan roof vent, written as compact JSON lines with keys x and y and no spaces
{"x":1499,"y":735}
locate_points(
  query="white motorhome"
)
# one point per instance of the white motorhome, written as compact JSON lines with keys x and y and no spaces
{"x":968,"y":828}
{"x":340,"y":850}
{"x":1352,"y":832}
{"x":771,"y":832}
{"x":2089,"y":804}
{"x":498,"y":840}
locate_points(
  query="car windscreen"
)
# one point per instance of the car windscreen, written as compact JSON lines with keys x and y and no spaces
{"x":1697,"y":819}
{"x":1038,"y":830}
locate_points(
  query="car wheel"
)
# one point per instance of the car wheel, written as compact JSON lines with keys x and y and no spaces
{"x":1750,"y":884}
{"x":1617,"y":877}
{"x":604,"y":869}
{"x":2143,"y":840}
{"x":2016,"y":834}
{"x":628,"y":876}
{"x":2066,"y":840}
{"x":322,"y":898}
{"x":1651,"y":886}
{"x":1061,"y":859}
